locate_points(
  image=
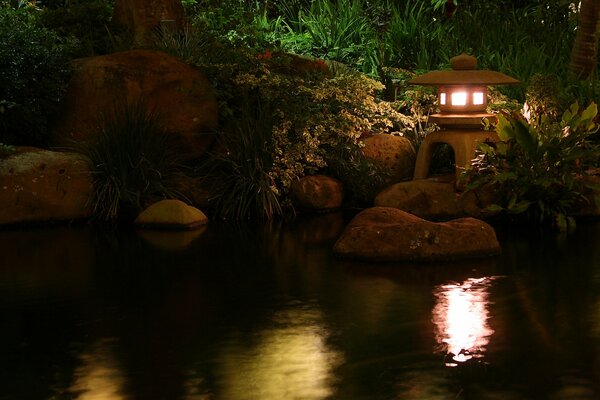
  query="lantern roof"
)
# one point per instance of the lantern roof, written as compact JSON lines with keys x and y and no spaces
{"x":464,"y":72}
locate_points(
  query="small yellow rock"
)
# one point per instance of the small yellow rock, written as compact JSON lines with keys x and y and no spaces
{"x":171,"y":214}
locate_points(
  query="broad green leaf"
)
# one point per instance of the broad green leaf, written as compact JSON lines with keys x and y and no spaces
{"x":486,"y":148}
{"x":504,"y":128}
{"x":494,"y":208}
{"x":519,"y":207}
{"x":590,"y":112}
{"x":525,"y":137}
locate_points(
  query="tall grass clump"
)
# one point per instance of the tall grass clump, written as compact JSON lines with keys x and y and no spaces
{"x":132,"y":162}
{"x":415,"y":39}
{"x":238,"y":173}
{"x":334,"y":30}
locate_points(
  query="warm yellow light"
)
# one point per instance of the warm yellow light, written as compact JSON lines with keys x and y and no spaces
{"x":478,"y":98}
{"x":459,"y":98}
{"x":291,"y":359}
{"x":443,"y":99}
{"x":99,"y":376}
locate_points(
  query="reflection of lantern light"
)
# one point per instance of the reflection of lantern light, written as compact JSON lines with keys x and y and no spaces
{"x":461,"y":319}
{"x":99,"y":377}
{"x":290,"y":360}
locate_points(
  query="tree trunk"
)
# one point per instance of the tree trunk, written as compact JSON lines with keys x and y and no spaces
{"x":145,"y":17}
{"x":585,"y":49}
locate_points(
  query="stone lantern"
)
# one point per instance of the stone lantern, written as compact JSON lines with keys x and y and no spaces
{"x":462,"y":98}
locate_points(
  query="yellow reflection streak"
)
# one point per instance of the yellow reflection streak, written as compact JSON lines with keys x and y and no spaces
{"x":461,"y":319}
{"x":291,"y":360}
{"x":99,"y":377}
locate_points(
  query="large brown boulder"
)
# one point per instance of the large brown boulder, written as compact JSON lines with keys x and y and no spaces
{"x":389,"y":234}
{"x":178,"y":92}
{"x":319,"y":193}
{"x":432,"y":199}
{"x":40,"y":185}
{"x":394,"y":154}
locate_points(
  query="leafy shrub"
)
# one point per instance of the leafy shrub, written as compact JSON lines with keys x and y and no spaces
{"x":33,"y":76}
{"x":319,"y":109}
{"x":241,"y":23}
{"x":536,"y":164}
{"x":132,"y":162}
{"x":544,"y":97}
{"x":315,"y":113}
{"x":85,"y":20}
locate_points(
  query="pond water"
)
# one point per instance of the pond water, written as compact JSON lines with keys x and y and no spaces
{"x":266,"y":312}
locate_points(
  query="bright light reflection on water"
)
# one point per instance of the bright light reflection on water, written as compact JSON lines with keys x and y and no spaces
{"x":461,"y":318}
{"x":290,"y":360}
{"x":99,"y":377}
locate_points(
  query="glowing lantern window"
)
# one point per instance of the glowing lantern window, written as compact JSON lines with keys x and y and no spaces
{"x":459,"y":98}
{"x":462,"y":92}
{"x":478,"y":98}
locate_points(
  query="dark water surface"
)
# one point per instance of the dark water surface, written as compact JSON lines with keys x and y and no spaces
{"x":258,"y":312}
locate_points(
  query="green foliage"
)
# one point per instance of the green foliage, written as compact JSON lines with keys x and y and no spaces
{"x":242,"y":23}
{"x":133,"y":162}
{"x":315,"y":110}
{"x":415,"y":39}
{"x":521,"y":39}
{"x":33,"y":76}
{"x":544,"y":97}
{"x":439,"y":4}
{"x":88,"y":21}
{"x":339,"y":30}
{"x":537,"y":163}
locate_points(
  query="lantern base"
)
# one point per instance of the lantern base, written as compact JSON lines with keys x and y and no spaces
{"x":465,"y":121}
{"x":463,"y":142}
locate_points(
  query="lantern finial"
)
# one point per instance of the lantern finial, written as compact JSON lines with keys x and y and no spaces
{"x":463,"y":62}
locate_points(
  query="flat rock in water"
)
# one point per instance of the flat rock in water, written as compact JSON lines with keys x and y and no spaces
{"x":390,"y":234}
{"x":171,"y":214}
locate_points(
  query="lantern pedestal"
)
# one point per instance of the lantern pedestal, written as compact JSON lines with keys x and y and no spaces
{"x":463,"y":142}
